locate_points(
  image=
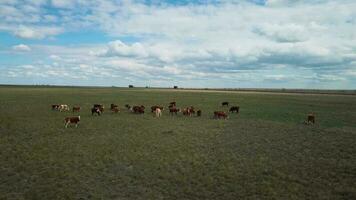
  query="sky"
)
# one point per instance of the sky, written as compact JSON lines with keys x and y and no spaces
{"x":307,"y":44}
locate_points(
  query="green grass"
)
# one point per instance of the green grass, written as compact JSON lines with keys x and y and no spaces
{"x":265,"y":152}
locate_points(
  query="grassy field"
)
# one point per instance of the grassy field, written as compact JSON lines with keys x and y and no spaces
{"x":265,"y":152}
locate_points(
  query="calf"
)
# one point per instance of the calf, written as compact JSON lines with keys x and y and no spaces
{"x":76,"y":108}
{"x":153,"y":108}
{"x":174,"y":110}
{"x":71,"y":120}
{"x":234,"y":109}
{"x":225,"y":103}
{"x":220,"y":114}
{"x":138,"y":109}
{"x":158,"y":112}
{"x":95,"y":110}
{"x":310,"y":119}
{"x":198,"y":113}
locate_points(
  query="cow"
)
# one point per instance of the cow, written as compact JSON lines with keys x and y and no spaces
{"x":158,"y":112}
{"x":234,"y":109}
{"x":63,"y":108}
{"x":187,"y":112}
{"x":153,"y":108}
{"x":173,"y":103}
{"x":220,"y":114}
{"x":225,"y":103}
{"x":115,"y":110}
{"x":99,"y":106}
{"x":174,"y":110}
{"x":71,"y":120}
{"x":192,"y":109}
{"x":113,"y":106}
{"x":138,"y":109}
{"x":96,"y":110}
{"x":310,"y":119}
{"x":198,"y":113}
{"x":55,"y":106}
{"x":76,"y":108}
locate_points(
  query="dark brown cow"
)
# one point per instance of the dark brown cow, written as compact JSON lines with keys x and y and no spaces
{"x":220,"y":114}
{"x":55,"y":106}
{"x":173,"y":103}
{"x":112,"y":106}
{"x":310,"y":119}
{"x":198,"y":113}
{"x":100,"y":107}
{"x":174,"y":110}
{"x":71,"y":120}
{"x":76,"y":109}
{"x":138,"y":109}
{"x":153,"y":108}
{"x":235,"y":109}
{"x":225,"y":103}
{"x":115,"y":110}
{"x":95,"y":110}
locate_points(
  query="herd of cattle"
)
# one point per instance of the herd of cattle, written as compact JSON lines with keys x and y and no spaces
{"x":98,"y":109}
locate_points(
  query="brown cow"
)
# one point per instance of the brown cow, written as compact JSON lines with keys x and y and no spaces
{"x":220,"y":114}
{"x":138,"y":109}
{"x":100,"y":107}
{"x":76,"y":108}
{"x":95,"y":110}
{"x":71,"y":120}
{"x":113,"y":106}
{"x":173,"y":103}
{"x":310,"y":118}
{"x":115,"y":110}
{"x":187,"y":112}
{"x":235,"y":109}
{"x":153,"y":108}
{"x":174,"y":110}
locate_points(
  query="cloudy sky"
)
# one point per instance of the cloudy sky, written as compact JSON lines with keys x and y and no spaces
{"x":201,"y":43}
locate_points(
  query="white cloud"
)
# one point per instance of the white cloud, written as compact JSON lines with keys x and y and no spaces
{"x":37,"y":32}
{"x":21,"y":47}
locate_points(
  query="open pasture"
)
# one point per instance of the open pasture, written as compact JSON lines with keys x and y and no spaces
{"x":264,"y":152}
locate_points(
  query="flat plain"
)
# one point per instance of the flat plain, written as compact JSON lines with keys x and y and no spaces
{"x":264,"y":152}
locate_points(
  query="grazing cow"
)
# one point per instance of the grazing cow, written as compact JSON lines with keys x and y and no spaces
{"x":138,"y":109}
{"x":225,"y":103}
{"x":55,"y":107}
{"x":187,"y":112}
{"x":158,"y":112}
{"x":153,"y":108}
{"x":71,"y":120}
{"x":174,"y":110}
{"x":235,"y":109}
{"x":310,"y":119}
{"x":76,"y":108}
{"x":115,"y":110}
{"x":198,"y":113}
{"x":113,"y":106}
{"x":100,"y":107}
{"x":63,"y":107}
{"x":95,"y":110}
{"x":192,"y":109}
{"x":173,"y":103}
{"x":220,"y":114}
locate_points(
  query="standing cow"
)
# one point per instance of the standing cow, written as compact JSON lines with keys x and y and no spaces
{"x":71,"y":120}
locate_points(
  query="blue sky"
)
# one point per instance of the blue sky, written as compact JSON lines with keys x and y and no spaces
{"x":203,"y":43}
